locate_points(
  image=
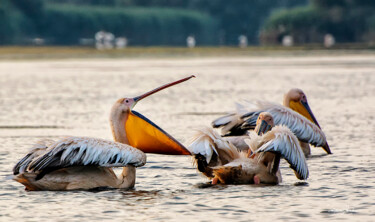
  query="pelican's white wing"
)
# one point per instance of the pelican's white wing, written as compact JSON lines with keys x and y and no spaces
{"x":282,"y":141}
{"x":304,"y":129}
{"x":231,"y":124}
{"x":83,"y":151}
{"x":206,"y":142}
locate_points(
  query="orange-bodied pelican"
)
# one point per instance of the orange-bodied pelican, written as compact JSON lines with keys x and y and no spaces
{"x":219,"y":159}
{"x":295,"y":114}
{"x":82,"y":163}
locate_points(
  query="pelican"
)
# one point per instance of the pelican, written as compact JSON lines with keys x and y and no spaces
{"x":83,"y":163}
{"x":221,"y":161}
{"x":295,"y":114}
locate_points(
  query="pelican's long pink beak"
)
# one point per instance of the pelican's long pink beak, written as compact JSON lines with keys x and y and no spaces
{"x":138,"y":98}
{"x":145,"y":135}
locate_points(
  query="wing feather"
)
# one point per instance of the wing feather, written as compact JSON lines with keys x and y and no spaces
{"x":206,"y":142}
{"x":82,"y":151}
{"x":231,"y":124}
{"x":304,"y":129}
{"x":36,"y":150}
{"x":282,"y":141}
{"x":224,"y":120}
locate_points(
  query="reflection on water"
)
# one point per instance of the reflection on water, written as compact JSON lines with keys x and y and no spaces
{"x":51,"y":99}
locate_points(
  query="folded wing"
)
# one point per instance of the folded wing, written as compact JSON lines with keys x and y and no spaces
{"x":304,"y":129}
{"x":231,"y":124}
{"x":82,"y":151}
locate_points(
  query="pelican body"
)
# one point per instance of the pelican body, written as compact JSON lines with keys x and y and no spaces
{"x":83,"y":163}
{"x":222,"y":162}
{"x":78,"y":163}
{"x":295,"y":113}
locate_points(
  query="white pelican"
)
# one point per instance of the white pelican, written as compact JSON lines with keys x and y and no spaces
{"x":81,"y":163}
{"x":295,"y":114}
{"x":219,"y":159}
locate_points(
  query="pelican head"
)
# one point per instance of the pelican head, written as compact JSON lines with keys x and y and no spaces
{"x":127,"y":104}
{"x":264,"y":123}
{"x":134,"y":129}
{"x":297,"y":101}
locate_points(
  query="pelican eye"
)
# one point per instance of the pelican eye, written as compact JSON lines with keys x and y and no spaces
{"x":127,"y":101}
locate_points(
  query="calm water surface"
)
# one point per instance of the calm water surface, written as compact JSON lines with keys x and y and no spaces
{"x":51,"y":99}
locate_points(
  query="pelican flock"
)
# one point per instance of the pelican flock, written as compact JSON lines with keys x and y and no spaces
{"x":82,"y":163}
{"x":221,"y":161}
{"x":295,"y":113}
{"x":254,"y":139}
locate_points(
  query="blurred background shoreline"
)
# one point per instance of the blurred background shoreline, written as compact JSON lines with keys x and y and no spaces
{"x":107,"y":24}
{"x":58,"y":52}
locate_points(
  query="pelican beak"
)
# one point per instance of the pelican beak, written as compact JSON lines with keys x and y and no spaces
{"x":138,"y":98}
{"x":327,"y":149}
{"x":303,"y":108}
{"x":310,"y":114}
{"x":264,"y":128}
{"x":145,"y":135}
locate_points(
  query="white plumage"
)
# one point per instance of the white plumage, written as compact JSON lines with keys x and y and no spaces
{"x":206,"y":142}
{"x":295,"y":114}
{"x":282,"y":141}
{"x":241,"y":169}
{"x":303,"y":128}
{"x":82,"y":151}
{"x":75,"y":152}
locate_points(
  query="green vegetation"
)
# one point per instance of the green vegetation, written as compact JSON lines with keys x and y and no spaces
{"x":143,"y":22}
{"x":169,"y":22}
{"x":343,"y":3}
{"x":65,"y":24}
{"x":12,"y":20}
{"x":346,"y":20}
{"x":303,"y":23}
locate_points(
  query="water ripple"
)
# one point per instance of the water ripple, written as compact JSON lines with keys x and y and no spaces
{"x":74,"y":97}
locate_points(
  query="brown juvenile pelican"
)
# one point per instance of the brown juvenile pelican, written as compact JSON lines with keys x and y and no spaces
{"x":295,"y":114}
{"x":220,"y":160}
{"x":82,"y":163}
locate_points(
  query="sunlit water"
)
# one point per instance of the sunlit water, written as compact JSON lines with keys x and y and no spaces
{"x":51,"y":99}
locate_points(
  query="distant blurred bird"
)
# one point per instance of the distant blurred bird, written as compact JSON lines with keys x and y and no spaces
{"x":81,"y":163}
{"x":295,"y":114}
{"x":190,"y":41}
{"x":220,"y":160}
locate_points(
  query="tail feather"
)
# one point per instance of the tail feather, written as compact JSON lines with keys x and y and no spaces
{"x":27,"y":180}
